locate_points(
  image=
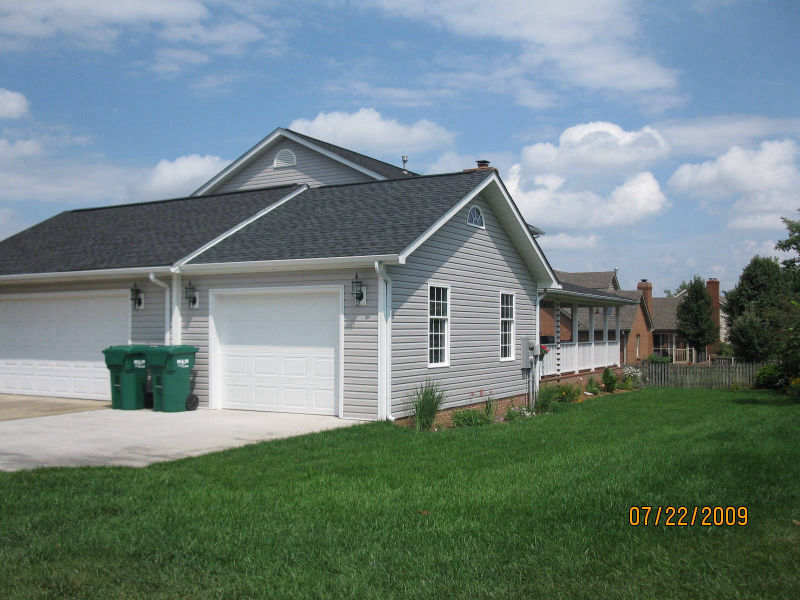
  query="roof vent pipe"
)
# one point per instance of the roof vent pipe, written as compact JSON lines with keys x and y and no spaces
{"x":405,"y":161}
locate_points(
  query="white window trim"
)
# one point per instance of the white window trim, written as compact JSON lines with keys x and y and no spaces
{"x":513,"y":326}
{"x":446,"y":362}
{"x":483,"y":217}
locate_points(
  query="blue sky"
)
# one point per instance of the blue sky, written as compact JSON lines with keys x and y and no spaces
{"x":658,"y":137}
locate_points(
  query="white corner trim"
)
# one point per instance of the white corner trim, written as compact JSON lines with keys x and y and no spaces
{"x":444,"y":219}
{"x":238,"y":227}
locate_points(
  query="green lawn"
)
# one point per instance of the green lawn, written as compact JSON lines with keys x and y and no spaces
{"x":537,"y":508}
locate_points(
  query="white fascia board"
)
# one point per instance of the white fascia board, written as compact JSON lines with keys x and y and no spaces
{"x":245,"y":158}
{"x":526,"y":232}
{"x":300,"y":264}
{"x":443,"y":219}
{"x":235,"y":228}
{"x":235,"y":165}
{"x":93,"y":274}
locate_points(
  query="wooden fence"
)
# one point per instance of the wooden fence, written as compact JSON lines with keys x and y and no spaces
{"x":719,"y":375}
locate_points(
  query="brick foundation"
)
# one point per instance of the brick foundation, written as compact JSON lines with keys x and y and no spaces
{"x":445,"y":417}
{"x":579,"y":378}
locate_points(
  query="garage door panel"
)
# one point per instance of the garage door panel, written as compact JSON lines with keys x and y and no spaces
{"x":53,"y":345}
{"x":281,"y":347}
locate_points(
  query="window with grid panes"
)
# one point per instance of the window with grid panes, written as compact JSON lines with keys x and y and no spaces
{"x":438,"y":324}
{"x":507,"y":326}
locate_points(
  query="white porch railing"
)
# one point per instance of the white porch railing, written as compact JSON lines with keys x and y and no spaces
{"x":580,"y":357}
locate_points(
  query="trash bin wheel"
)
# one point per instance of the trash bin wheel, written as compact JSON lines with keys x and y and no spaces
{"x":192,"y":402}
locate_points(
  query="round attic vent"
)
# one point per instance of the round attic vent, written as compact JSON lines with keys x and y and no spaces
{"x":285,"y":158}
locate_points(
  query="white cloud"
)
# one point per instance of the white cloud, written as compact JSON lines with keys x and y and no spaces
{"x":13,"y":105}
{"x":18,"y":149}
{"x":761,"y":185}
{"x":366,"y":130}
{"x":170,"y":61}
{"x":10,"y":223}
{"x":711,"y":136}
{"x":548,"y":204}
{"x":566,"y":241}
{"x":596,"y":146}
{"x":180,"y":177}
{"x":588,"y":43}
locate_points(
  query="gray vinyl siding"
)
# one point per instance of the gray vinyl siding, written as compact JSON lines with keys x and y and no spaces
{"x":312,"y":168}
{"x":478,"y":265}
{"x":360,"y":377}
{"x":147,"y":324}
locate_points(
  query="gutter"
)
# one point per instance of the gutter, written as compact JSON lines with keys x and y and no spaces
{"x":384,"y":343}
{"x":89,"y":274}
{"x":167,"y":311}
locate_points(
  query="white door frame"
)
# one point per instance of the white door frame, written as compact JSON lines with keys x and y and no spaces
{"x":122,"y":293}
{"x":214,"y":379}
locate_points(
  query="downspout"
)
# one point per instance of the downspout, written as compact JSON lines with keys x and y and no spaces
{"x":167,"y":311}
{"x":177,"y":319}
{"x":384,"y":343}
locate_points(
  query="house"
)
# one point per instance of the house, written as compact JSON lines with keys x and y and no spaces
{"x":313,"y":279}
{"x":667,"y":341}
{"x":636,"y":321}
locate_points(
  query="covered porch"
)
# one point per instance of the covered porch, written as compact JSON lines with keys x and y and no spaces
{"x":581,"y":328}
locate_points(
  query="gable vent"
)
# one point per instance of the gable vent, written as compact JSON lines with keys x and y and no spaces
{"x":285,"y":158}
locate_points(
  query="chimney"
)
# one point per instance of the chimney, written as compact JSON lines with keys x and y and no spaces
{"x":483,"y":165}
{"x":647,"y":289}
{"x":712,"y":287}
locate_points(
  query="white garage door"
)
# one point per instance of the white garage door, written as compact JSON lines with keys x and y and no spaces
{"x":52,"y":346}
{"x":278,"y":351}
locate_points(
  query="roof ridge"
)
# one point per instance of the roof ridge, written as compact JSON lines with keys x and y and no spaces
{"x":308,"y":137}
{"x":180,"y":198}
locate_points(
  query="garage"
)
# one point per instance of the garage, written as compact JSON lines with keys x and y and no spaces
{"x":277,"y":350}
{"x":51,"y":344}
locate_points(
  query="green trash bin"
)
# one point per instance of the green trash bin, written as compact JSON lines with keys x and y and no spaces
{"x":171,"y":372}
{"x":128,"y":368}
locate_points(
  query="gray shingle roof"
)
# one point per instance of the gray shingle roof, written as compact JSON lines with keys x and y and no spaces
{"x":132,"y":235}
{"x":665,"y":313}
{"x":373,"y":164}
{"x":361,"y":219}
{"x":599,"y":280}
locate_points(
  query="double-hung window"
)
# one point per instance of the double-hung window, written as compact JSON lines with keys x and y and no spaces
{"x":438,"y":325}
{"x":506,"y":326}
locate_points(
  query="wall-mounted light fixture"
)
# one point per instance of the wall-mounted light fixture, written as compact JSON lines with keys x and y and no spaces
{"x":137,"y":298}
{"x":192,"y":299}
{"x":358,"y":290}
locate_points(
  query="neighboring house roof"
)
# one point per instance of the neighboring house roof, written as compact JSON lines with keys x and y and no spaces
{"x":535,"y":231}
{"x":665,"y":313}
{"x":372,"y":167}
{"x":600,"y":280}
{"x":388,"y":170}
{"x":357,"y":219}
{"x":579,"y":293}
{"x":131,"y":235}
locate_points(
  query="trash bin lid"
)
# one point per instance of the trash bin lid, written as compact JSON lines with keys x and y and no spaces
{"x":158,"y":355}
{"x":115,"y":355}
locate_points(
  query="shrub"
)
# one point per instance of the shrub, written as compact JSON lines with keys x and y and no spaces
{"x":793,"y":389}
{"x":627,"y":384}
{"x":490,"y":409}
{"x":427,"y":398}
{"x":545,"y":399}
{"x":568,"y":392}
{"x":517,"y":412}
{"x":592,"y":387}
{"x":634,"y":374}
{"x":769,"y":377}
{"x":609,"y":380}
{"x":471,"y":417}
{"x":658,"y":359}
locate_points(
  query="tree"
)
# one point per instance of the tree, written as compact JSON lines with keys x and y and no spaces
{"x":695,"y":322}
{"x":762,"y":284}
{"x":751,"y":336}
{"x":792,"y":242}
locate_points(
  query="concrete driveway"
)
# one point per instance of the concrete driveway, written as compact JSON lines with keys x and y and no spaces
{"x":13,"y":406}
{"x":141,"y":437}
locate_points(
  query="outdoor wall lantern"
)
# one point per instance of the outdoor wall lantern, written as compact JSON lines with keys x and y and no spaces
{"x":358,"y":290}
{"x":137,"y":298}
{"x":191,"y":295}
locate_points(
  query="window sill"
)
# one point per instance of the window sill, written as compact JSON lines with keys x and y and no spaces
{"x":438,"y":365}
